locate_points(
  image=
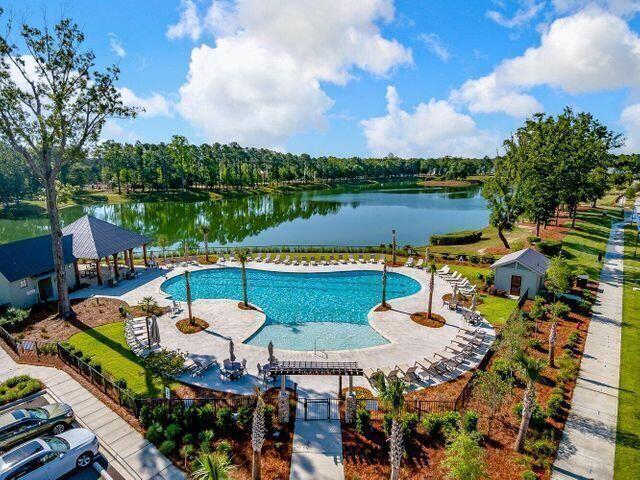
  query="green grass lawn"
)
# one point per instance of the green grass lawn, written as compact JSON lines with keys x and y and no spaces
{"x":627,"y":464}
{"x":109,"y":347}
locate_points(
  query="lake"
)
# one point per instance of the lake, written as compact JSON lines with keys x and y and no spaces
{"x":361,"y":215}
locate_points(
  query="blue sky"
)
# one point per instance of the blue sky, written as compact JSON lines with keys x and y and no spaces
{"x":364,"y":77}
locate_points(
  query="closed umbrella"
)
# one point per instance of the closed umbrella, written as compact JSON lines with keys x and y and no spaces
{"x":232,"y":356}
{"x":270,"y":349}
{"x":455,"y":293}
{"x":155,"y":330}
{"x":473,"y":303}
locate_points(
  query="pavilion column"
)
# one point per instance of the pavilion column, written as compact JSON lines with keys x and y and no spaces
{"x":131,"y":267}
{"x":76,"y":270}
{"x":116,"y":271}
{"x":339,"y":386}
{"x":125,"y":257}
{"x":144,"y":254}
{"x":98,"y":272}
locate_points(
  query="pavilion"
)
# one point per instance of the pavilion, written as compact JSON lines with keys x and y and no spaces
{"x":94,"y":239}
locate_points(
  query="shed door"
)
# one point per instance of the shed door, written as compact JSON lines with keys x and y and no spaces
{"x":516,"y":282}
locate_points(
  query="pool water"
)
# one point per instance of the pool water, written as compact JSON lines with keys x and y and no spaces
{"x":327,"y":311}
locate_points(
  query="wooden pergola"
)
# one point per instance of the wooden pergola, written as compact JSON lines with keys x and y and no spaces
{"x":302,"y":367}
{"x":94,"y":239}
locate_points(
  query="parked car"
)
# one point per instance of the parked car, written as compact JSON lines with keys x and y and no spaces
{"x":47,"y":458}
{"x":25,"y":423}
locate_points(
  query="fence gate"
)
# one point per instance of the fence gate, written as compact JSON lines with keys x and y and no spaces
{"x":314,"y":409}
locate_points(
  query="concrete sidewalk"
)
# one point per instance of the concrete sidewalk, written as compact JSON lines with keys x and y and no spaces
{"x":588,"y":445}
{"x":317,"y":451}
{"x":140,"y":459}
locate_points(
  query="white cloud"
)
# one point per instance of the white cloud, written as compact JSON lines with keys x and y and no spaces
{"x":154,"y":106}
{"x":630,"y":120}
{"x":521,"y":17}
{"x":116,"y":45}
{"x":433,"y":129}
{"x":189,"y":24}
{"x":435,"y":46}
{"x":624,"y":8}
{"x":589,"y":51}
{"x":261,"y":82}
{"x":113,"y":130}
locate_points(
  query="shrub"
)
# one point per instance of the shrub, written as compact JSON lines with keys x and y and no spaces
{"x":172,"y":432}
{"x":533,"y":239}
{"x":441,"y":424}
{"x":206,"y":437}
{"x":224,"y":419}
{"x":529,"y":475}
{"x":188,"y":439}
{"x":224,"y":447}
{"x":554,"y":405}
{"x":18,"y":387}
{"x":167,"y":447}
{"x":456,"y":238}
{"x":543,"y":447}
{"x":470,"y":421}
{"x":550,"y":248}
{"x":363,"y":421}
{"x":432,"y":423}
{"x":409,"y":422}
{"x":48,"y":349}
{"x":538,"y":416}
{"x":191,"y":419}
{"x":535,"y":343}
{"x":155,"y":433}
{"x":475,"y":259}
{"x":268,"y":418}
{"x":146,"y":416}
{"x":245,"y":416}
{"x":97,"y":366}
{"x":160,"y":414}
{"x":121,"y":382}
{"x":569,"y":368}
{"x":503,"y":368}
{"x":574,"y":339}
{"x":206,"y":415}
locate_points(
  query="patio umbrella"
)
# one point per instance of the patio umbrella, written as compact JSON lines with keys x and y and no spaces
{"x":473,"y":303}
{"x":455,"y":293}
{"x":270,"y":349}
{"x":155,"y":330}
{"x":232,"y":356}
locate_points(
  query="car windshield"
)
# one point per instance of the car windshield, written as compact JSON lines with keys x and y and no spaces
{"x":57,"y":444}
{"x":19,"y":414}
{"x":39,"y":413}
{"x":19,"y":454}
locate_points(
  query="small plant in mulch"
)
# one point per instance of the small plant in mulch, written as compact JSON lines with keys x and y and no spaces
{"x":185,"y":326}
{"x":242,"y":306}
{"x":435,"y":321}
{"x":382,"y":308}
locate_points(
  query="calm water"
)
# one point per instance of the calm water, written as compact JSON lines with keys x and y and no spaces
{"x":346,"y":216}
{"x":304,"y":311}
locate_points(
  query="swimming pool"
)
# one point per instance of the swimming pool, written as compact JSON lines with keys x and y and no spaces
{"x":327,"y":311}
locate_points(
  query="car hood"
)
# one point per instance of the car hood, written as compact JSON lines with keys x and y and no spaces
{"x":77,"y":437}
{"x":57,"y":409}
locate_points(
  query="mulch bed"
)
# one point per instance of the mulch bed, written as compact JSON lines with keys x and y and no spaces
{"x":242,"y":306}
{"x":436,"y":321}
{"x":382,"y":308}
{"x":186,"y":326}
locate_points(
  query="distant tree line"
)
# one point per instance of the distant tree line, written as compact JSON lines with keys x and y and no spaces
{"x":180,"y":165}
{"x":554,"y":161}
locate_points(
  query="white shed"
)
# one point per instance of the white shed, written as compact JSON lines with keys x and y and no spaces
{"x":521,"y":271}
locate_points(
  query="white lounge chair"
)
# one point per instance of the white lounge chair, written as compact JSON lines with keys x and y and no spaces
{"x":361,"y":259}
{"x":381,"y":259}
{"x":296,"y":261}
{"x":443,"y":271}
{"x":267,"y":259}
{"x":420,"y":263}
{"x":258,"y":258}
{"x":409,"y":262}
{"x":305,"y":262}
{"x":277,"y":259}
{"x":325,"y":261}
{"x":409,"y":372}
{"x":372,"y":259}
{"x":312,"y":261}
{"x":351,"y":259}
{"x":342,"y":260}
{"x":287,"y":260}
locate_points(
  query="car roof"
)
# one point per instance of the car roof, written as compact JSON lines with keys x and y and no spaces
{"x":22,"y":453}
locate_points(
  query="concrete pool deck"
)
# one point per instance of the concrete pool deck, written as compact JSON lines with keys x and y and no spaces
{"x":408,"y":341}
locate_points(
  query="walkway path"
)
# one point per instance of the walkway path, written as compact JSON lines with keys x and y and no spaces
{"x":317,"y":445}
{"x":588,"y":444}
{"x":140,"y":459}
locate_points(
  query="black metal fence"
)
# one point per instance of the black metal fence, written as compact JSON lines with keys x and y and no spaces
{"x":9,"y":340}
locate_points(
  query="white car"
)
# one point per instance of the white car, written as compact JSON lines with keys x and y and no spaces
{"x":47,"y":458}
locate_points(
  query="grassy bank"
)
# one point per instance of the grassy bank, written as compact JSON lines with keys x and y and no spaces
{"x":627,"y":463}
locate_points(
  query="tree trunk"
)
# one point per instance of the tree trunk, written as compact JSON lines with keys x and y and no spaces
{"x":244,"y":286}
{"x":552,"y":344}
{"x":64,"y":304}
{"x":206,"y":249}
{"x":395,"y":451}
{"x":537,"y":229}
{"x":527,"y":407}
{"x":256,"y":470}
{"x":503,"y":239}
{"x":431,"y":288}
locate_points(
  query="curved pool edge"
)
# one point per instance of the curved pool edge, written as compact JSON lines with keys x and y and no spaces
{"x":370,"y":315}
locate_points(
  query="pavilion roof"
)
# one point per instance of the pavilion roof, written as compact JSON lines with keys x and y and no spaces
{"x":95,"y":239}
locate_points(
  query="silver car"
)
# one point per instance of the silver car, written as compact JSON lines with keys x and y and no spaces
{"x":50,"y":457}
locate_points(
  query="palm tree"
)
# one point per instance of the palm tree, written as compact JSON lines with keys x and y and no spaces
{"x":392,"y":397}
{"x":204,"y":231}
{"x":530,"y":370}
{"x":163,"y":243}
{"x":148,"y":304}
{"x":187,"y":277}
{"x":242,"y":254}
{"x":432,"y":280}
{"x":212,"y":466}
{"x":257,"y":437}
{"x":384,"y":285}
{"x":558,"y":310}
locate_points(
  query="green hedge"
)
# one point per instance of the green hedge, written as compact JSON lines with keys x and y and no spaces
{"x":456,"y":238}
{"x":15,"y":388}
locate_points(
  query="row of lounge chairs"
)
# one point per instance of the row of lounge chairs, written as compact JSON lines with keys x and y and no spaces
{"x":196,"y":367}
{"x":311,"y":260}
{"x":136,"y":335}
{"x":457,"y":280}
{"x":462,"y":347}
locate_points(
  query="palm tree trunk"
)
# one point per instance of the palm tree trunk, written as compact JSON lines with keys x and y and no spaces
{"x":64,"y":304}
{"x":256,"y":470}
{"x":395,"y":451}
{"x":527,"y":407}
{"x":206,"y":249}
{"x":244,"y":285}
{"x":431,"y":288}
{"x":502,"y":238}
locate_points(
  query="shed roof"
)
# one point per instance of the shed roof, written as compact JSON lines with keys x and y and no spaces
{"x":531,"y":259}
{"x":31,"y":257}
{"x":95,"y":239}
